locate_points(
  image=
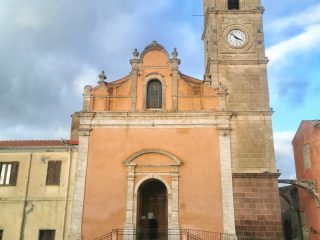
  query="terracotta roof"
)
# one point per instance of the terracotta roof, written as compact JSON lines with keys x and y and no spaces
{"x":37,"y":143}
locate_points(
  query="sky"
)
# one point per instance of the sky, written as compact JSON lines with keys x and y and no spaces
{"x":51,"y":49}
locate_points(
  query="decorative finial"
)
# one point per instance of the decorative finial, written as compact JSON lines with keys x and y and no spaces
{"x":175,"y":53}
{"x":135,"y":54}
{"x":102,"y":77}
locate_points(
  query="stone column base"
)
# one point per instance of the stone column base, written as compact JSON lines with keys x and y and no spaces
{"x":75,"y":237}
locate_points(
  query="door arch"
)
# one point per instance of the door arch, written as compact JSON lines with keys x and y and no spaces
{"x":152,"y":210}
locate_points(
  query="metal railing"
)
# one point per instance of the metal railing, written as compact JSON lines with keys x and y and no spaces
{"x":147,"y":234}
{"x":107,"y":236}
{"x":193,"y":234}
{"x":164,"y":234}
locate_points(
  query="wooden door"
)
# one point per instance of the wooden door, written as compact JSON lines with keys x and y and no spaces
{"x":152,"y":214}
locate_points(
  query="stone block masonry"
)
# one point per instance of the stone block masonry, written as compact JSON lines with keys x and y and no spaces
{"x":257,"y":206}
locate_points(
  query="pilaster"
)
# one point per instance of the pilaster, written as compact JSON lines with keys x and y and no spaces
{"x":174,"y":220}
{"x":222,"y":93}
{"x":134,"y":76}
{"x":129,"y":225}
{"x":86,"y":98}
{"x":226,"y":181}
{"x":78,"y":196}
{"x":175,"y":76}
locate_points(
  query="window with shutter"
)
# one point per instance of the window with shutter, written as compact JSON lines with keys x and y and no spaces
{"x":1,"y":233}
{"x":9,"y":173}
{"x":14,"y":174}
{"x":47,"y":234}
{"x":53,"y":173}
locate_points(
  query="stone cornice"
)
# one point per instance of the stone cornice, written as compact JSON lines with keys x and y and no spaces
{"x":160,"y":114}
{"x":256,"y":175}
{"x":162,"y":119}
{"x":240,"y":62}
{"x":259,"y":10}
{"x":252,"y":113}
{"x":155,"y":119}
{"x":147,"y":114}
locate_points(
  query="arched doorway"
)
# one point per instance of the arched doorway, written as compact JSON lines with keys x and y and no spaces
{"x":152,"y":217}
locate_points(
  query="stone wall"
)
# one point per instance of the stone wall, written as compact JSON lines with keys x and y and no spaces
{"x":257,"y":206}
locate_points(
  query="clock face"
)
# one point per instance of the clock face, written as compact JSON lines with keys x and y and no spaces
{"x":236,"y":38}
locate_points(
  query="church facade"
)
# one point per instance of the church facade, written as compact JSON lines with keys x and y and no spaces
{"x":159,"y":145}
{"x":160,"y":152}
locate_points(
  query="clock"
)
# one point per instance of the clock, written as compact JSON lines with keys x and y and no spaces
{"x":236,"y":38}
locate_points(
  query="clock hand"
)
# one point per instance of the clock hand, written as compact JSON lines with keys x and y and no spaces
{"x":236,"y":37}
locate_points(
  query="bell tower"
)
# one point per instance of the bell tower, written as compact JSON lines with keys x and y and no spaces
{"x":235,"y":59}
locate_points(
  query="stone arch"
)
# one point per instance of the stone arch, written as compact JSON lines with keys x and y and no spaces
{"x":309,"y":186}
{"x":152,"y":76}
{"x":149,"y":177}
{"x":175,"y":159}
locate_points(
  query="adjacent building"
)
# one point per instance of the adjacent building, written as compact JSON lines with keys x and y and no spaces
{"x":36,"y":189}
{"x":306,"y":146}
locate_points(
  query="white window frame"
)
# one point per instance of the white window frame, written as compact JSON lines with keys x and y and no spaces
{"x":306,"y":156}
{"x":5,"y":173}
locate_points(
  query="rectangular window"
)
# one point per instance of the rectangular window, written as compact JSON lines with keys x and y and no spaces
{"x":1,"y":233}
{"x":233,"y":4}
{"x":306,"y":156}
{"x":8,"y":173}
{"x":53,"y":173}
{"x":47,"y":234}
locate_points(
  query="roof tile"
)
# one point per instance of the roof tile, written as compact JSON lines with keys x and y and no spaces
{"x":37,"y":143}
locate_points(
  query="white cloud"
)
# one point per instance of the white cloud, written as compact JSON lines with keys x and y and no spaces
{"x":27,"y":18}
{"x":303,"y":43}
{"x":88,"y":76}
{"x":307,"y":17}
{"x":284,"y":153}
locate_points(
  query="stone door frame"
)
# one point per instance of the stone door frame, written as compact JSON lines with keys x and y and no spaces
{"x":172,"y":189}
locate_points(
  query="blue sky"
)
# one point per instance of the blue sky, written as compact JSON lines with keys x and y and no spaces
{"x":50,"y":49}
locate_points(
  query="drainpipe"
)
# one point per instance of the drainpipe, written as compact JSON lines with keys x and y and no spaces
{"x":24,"y":213}
{"x":67,"y":190}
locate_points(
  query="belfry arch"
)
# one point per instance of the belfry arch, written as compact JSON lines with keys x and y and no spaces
{"x":159,"y":167}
